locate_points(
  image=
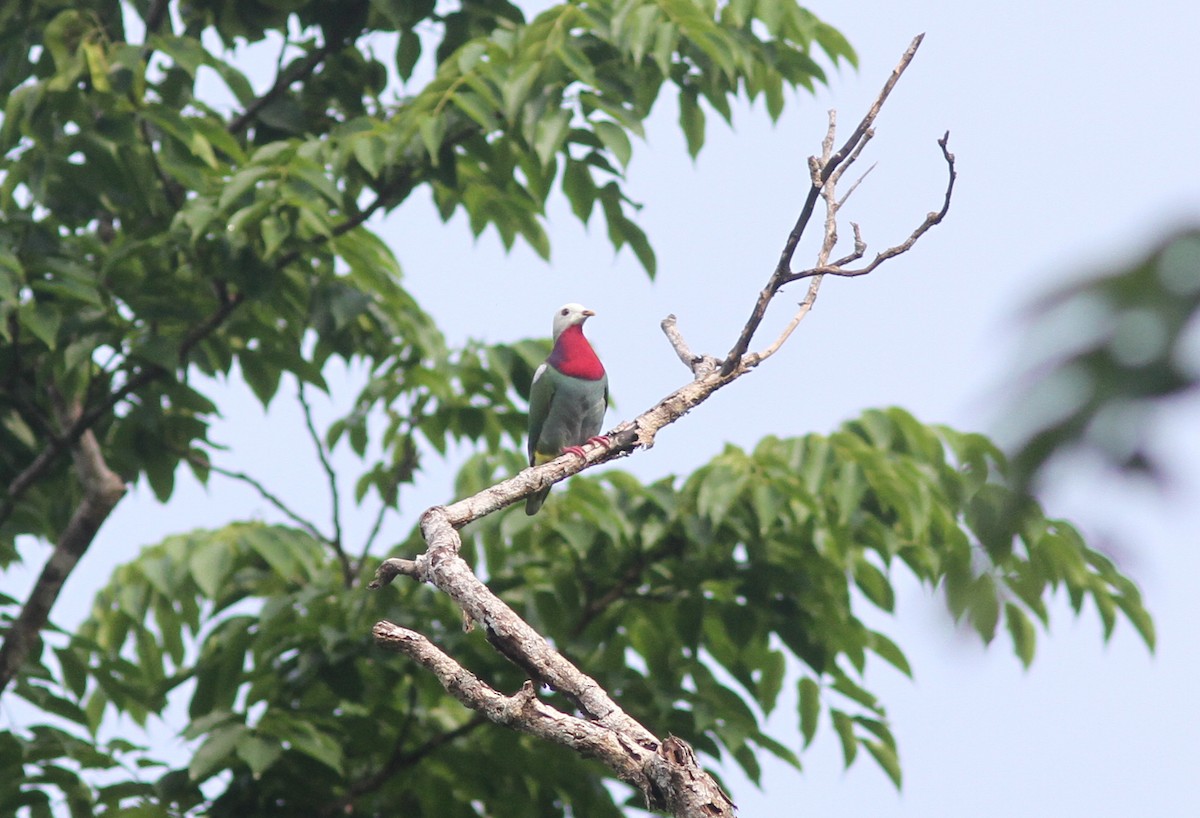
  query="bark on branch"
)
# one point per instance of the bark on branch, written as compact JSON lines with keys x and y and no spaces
{"x":665,"y":770}
{"x":102,"y":490}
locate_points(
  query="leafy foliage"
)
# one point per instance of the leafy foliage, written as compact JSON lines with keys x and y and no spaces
{"x":691,"y":600}
{"x":151,"y":238}
{"x":1132,"y":350}
{"x":147,"y":233}
{"x":50,"y":764}
{"x":765,"y":555}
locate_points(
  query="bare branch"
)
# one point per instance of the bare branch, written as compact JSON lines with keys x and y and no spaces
{"x":854,"y":186}
{"x":931,"y":219}
{"x":507,"y":710}
{"x":699,"y":365}
{"x":783,"y":268}
{"x":666,"y":771}
{"x":810,"y":298}
{"x":836,"y":176}
{"x":394,"y":567}
{"x":860,"y":246}
{"x":102,"y":490}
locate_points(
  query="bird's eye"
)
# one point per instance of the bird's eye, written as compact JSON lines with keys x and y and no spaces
{"x":566,"y":312}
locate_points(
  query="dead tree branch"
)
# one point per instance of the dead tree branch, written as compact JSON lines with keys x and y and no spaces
{"x":665,"y":770}
{"x":825,"y":170}
{"x":931,"y":219}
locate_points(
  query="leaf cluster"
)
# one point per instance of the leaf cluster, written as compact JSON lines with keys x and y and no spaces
{"x":1130,"y":351}
{"x":691,"y":599}
{"x":149,"y":235}
{"x":252,"y":629}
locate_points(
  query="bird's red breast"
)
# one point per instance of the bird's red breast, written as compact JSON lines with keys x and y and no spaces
{"x":573,"y":356}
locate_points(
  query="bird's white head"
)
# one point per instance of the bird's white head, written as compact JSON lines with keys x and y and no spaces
{"x":569,"y":315}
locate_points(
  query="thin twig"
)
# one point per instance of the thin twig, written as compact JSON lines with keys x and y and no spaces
{"x":331,"y":478}
{"x":298,"y":72}
{"x":931,"y":219}
{"x":805,"y":306}
{"x":854,"y":187}
{"x":401,"y":760}
{"x":860,"y":246}
{"x":783,"y":267}
{"x":242,"y":477}
{"x":376,"y":526}
{"x":836,"y":176}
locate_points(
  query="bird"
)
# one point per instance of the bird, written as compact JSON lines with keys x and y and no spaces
{"x":568,"y":397}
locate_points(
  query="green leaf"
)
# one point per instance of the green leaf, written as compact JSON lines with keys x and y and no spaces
{"x":719,"y":488}
{"x":69,"y":280}
{"x":316,"y":745}
{"x":41,"y":319}
{"x":432,"y":130}
{"x":1131,"y":604}
{"x":74,"y":670}
{"x":259,"y":753}
{"x":216,"y":753}
{"x":1021,"y":630}
{"x":477,"y":108}
{"x":580,"y":189}
{"x":691,"y":119}
{"x":834,"y":44}
{"x":241,"y":183}
{"x":615,"y":139}
{"x":890,"y":652}
{"x":370,"y":152}
{"x":551,"y":134}
{"x":261,"y":376}
{"x":810,"y":708}
{"x":577,"y":63}
{"x":210,"y":564}
{"x":408,"y":51}
{"x":887,"y":758}
{"x":844,"y":725}
{"x":984,"y":605}
{"x":874,"y":584}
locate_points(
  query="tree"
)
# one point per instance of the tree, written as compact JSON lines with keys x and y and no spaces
{"x":149,"y":237}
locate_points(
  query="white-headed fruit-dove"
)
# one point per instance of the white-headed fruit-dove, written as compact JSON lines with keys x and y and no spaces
{"x":568,"y":397}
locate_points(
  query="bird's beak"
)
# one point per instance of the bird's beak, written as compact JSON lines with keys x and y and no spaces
{"x":588,"y":313}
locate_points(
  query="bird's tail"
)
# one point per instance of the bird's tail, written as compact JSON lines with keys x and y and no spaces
{"x":534,"y":501}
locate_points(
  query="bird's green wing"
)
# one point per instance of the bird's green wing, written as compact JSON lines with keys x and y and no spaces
{"x":541,"y":396}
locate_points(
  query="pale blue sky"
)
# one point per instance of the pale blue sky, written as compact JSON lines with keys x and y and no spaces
{"x":1075,"y":127}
